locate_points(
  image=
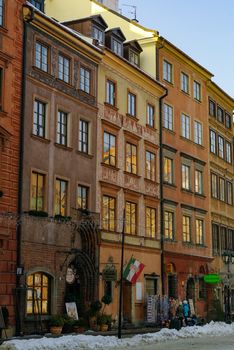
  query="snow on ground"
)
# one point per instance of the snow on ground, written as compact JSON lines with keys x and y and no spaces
{"x":87,"y":342}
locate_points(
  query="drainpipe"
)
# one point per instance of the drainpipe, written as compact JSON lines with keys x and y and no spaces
{"x":161,"y":187}
{"x":20,"y":177}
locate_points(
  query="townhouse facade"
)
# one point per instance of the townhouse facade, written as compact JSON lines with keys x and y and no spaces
{"x":11,"y":53}
{"x":59,"y":228}
{"x":220,"y":114}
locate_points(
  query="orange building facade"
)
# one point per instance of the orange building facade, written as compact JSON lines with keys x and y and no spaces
{"x":186,"y":219}
{"x":11,"y":35}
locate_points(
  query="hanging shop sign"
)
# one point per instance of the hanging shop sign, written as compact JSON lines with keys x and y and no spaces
{"x":212,"y":278}
{"x":109,"y":273}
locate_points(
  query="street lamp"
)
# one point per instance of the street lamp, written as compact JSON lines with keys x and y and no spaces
{"x":228,"y":258}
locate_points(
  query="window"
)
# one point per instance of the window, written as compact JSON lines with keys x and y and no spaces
{"x":167,"y":71}
{"x":134,"y":58}
{"x":150,"y":115}
{"x":212,"y":108}
{"x":197,"y":133}
{"x":61,"y":187}
{"x":98,"y":34}
{"x":228,"y":152}
{"x":150,"y":165}
{"x":168,"y":117}
{"x":131,"y":158}
{"x":131,"y":104}
{"x":150,"y":222}
{"x":220,"y":114}
{"x":215,"y":239}
{"x":221,"y":189}
{"x":110,"y":93}
{"x":62,"y":130}
{"x":214,"y":186}
{"x":199,"y":231}
{"x":108,"y":213}
{"x":228,"y":121}
{"x":82,"y":197}
{"x":37,"y":191}
{"x":1,"y":12}
{"x":185,"y":126}
{"x":185,"y":177}
{"x":220,"y":146}
{"x":185,"y":83}
{"x":1,"y":88}
{"x":169,"y":225}
{"x":83,"y":136}
{"x":198,"y":182}
{"x":38,"y":294}
{"x":64,"y":69}
{"x":168,"y":170}
{"x":117,"y":47}
{"x":109,"y":151}
{"x":223,"y":239}
{"x":42,"y":52}
{"x":130,"y":222}
{"x":151,"y":286}
{"x":197,"y":91}
{"x":186,"y":228}
{"x":39,"y":116}
{"x":85,"y":77}
{"x":229,"y":193}
{"x":212,"y":141}
{"x":39,"y":4}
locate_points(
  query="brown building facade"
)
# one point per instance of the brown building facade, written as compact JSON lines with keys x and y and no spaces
{"x":59,"y":228}
{"x":187,"y":241}
{"x":11,"y":52}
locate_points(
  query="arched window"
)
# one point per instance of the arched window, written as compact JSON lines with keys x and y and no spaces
{"x":38,"y":294}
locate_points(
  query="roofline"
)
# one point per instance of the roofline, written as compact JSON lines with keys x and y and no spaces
{"x":155,"y":32}
{"x":186,"y":55}
{"x":137,"y":68}
{"x":78,"y":20}
{"x":221,"y":91}
{"x":60,"y":26}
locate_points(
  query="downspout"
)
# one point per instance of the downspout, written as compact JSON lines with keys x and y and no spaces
{"x":20,"y":177}
{"x":161,"y":187}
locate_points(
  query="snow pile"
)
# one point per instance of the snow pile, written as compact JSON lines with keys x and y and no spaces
{"x":87,"y":342}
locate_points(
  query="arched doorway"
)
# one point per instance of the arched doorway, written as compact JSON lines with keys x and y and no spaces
{"x":172,"y":281}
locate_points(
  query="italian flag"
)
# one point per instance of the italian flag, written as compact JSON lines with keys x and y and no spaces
{"x":133,"y":270}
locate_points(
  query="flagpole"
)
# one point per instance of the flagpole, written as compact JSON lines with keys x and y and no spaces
{"x":121,"y":281}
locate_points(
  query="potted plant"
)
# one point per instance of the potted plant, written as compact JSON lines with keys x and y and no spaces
{"x":102,"y":321}
{"x":56,"y":324}
{"x":79,"y":325}
{"x":95,"y":307}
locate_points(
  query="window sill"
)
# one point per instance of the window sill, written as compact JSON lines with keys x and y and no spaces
{"x":42,"y":71}
{"x":110,"y":166}
{"x":35,"y":318}
{"x":169,"y":130}
{"x":3,"y":114}
{"x":65,"y":83}
{"x":132,"y":117}
{"x":168,"y":184}
{"x":187,"y":191}
{"x":196,"y":100}
{"x":170,"y":240}
{"x":200,"y":195}
{"x":131,"y":174}
{"x":111,"y":106}
{"x":87,"y":94}
{"x":3,"y":29}
{"x":84,"y":154}
{"x":150,"y":127}
{"x":65,"y":148}
{"x":169,"y":82}
{"x":185,"y":93}
{"x":39,"y":138}
{"x":151,"y":181}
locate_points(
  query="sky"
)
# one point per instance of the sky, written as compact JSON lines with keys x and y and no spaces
{"x":203,"y":29}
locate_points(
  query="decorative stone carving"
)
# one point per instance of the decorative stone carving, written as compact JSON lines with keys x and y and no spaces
{"x":112,"y":116}
{"x":152,"y":189}
{"x":131,"y":182}
{"x":109,"y":174}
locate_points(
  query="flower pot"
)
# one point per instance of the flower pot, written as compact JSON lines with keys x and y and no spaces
{"x":56,"y":329}
{"x":93,"y":323}
{"x":104,"y":327}
{"x":79,"y":329}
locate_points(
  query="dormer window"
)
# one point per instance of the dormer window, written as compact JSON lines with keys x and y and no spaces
{"x":114,"y":40}
{"x":98,"y":34}
{"x":132,"y":52}
{"x":117,"y":47}
{"x":39,"y":4}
